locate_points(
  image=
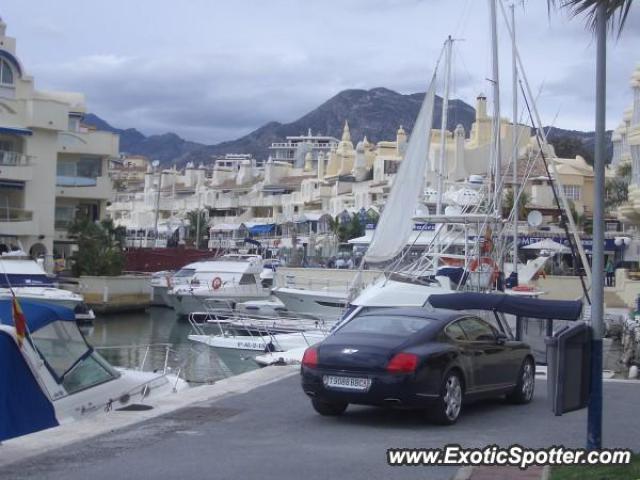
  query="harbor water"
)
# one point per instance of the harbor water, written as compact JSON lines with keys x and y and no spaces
{"x":155,"y":338}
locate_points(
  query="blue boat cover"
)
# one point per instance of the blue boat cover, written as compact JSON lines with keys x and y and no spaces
{"x":37,"y":314}
{"x":20,"y":280}
{"x":515,"y":305}
{"x":261,"y":229}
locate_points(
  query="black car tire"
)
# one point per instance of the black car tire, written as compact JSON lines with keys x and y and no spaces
{"x":448,"y":407}
{"x":328,"y":409}
{"x":526,"y":383}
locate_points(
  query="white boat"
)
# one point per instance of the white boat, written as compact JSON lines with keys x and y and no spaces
{"x":55,"y":376}
{"x":29,"y":281}
{"x":225,"y":281}
{"x":159,"y":287}
{"x":324,"y":303}
{"x":263,"y":343}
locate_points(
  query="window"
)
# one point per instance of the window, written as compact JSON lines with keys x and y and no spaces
{"x":6,"y":73}
{"x":477,"y":330}
{"x":385,"y":325}
{"x":247,"y":279}
{"x":454,"y":331}
{"x":572,"y":192}
{"x":69,"y":358}
{"x":391,"y":166}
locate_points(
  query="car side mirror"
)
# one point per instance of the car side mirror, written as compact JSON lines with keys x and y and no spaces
{"x":501,"y":338}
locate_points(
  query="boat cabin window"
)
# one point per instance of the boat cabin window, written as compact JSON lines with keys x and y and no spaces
{"x":247,"y":279}
{"x":185,"y":272}
{"x":69,"y":358}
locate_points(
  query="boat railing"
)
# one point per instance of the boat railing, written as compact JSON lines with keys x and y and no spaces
{"x":155,"y":357}
{"x":226,"y":322}
{"x":307,"y":283}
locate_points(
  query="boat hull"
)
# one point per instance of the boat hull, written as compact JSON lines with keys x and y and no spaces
{"x":323,"y":304}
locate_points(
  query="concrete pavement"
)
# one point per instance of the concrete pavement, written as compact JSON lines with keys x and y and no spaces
{"x":272,"y":433}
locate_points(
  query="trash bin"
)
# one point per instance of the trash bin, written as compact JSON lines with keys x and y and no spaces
{"x":568,"y":368}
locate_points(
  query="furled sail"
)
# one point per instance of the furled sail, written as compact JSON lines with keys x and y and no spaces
{"x":396,"y":222}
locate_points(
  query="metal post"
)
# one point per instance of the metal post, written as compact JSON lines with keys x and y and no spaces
{"x":496,"y":110}
{"x":157,"y":205}
{"x":514,"y":133}
{"x":198,"y":224}
{"x":443,"y":125}
{"x":594,"y":425}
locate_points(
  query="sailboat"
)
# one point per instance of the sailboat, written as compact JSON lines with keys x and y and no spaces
{"x":478,"y":267}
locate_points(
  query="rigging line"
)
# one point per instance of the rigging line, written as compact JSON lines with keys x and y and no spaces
{"x":557,"y":200}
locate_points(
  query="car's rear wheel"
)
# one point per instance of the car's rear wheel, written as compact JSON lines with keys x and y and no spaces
{"x":526,"y":383}
{"x":449,"y":404}
{"x":329,"y":409}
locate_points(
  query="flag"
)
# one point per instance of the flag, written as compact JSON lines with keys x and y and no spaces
{"x":19,"y":322}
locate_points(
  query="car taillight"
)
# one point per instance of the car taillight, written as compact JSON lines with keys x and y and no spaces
{"x":310,"y":358}
{"x":403,"y":363}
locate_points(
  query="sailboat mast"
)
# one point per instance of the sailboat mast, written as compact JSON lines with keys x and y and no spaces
{"x":514,"y":140}
{"x":443,"y":125}
{"x":497,"y":200}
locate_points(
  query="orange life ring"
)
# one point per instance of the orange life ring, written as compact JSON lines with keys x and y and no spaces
{"x":477,"y":263}
{"x":216,"y":283}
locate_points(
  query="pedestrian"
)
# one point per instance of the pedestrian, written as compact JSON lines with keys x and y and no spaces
{"x":611,"y":273}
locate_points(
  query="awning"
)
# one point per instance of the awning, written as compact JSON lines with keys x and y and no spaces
{"x":225,"y":227}
{"x":16,"y":131}
{"x":261,"y":229}
{"x":515,"y":305}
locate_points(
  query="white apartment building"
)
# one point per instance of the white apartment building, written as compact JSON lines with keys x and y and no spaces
{"x":52,"y":168}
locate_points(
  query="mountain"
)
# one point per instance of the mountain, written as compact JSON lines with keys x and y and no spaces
{"x":168,"y":148}
{"x":376,"y":113}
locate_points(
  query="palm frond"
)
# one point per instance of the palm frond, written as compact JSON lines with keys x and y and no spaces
{"x":617,"y":11}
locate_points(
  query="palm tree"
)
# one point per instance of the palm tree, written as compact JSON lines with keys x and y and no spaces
{"x":601,"y":14}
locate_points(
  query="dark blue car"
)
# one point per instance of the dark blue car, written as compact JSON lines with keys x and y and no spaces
{"x":419,"y":358}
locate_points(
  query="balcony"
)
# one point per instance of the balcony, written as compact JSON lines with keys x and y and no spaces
{"x":89,"y":143}
{"x":15,"y":166}
{"x":17,"y":221}
{"x":84,"y":187}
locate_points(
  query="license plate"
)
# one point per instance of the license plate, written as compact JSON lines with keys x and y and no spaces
{"x":348,"y":383}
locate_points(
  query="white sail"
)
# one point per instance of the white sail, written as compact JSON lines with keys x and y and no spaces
{"x":396,"y":221}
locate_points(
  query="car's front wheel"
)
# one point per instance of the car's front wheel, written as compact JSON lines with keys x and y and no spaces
{"x":329,"y":409}
{"x":449,"y":404}
{"x":526,"y":383}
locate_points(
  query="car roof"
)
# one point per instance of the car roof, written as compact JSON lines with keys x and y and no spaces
{"x":440,"y":315}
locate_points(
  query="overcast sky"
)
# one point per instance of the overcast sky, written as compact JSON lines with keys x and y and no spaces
{"x":212,"y":70}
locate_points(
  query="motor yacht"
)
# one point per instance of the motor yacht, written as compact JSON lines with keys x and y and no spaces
{"x":53,"y":376}
{"x":225,"y":281}
{"x":26,"y":279}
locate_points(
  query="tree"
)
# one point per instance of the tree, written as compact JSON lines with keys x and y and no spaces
{"x":192,"y":216}
{"x":617,"y":188}
{"x":507,"y":204}
{"x":99,"y":247}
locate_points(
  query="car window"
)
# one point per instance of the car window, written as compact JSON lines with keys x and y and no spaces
{"x":385,"y":324}
{"x":455,"y":332}
{"x":477,"y":330}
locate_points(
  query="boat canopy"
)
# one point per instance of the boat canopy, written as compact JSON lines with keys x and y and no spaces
{"x":261,"y":229}
{"x":26,"y":406}
{"x":38,"y":315}
{"x":515,"y":305}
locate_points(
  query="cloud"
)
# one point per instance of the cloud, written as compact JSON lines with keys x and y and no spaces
{"x":211,"y":72}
